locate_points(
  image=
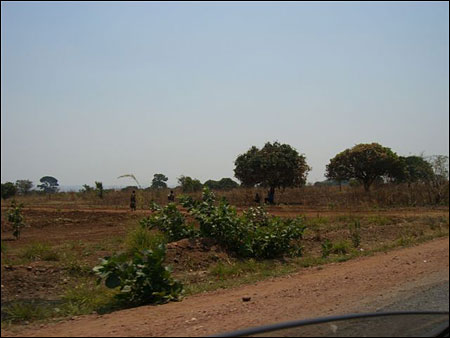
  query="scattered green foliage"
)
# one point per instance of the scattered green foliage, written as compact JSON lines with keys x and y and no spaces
{"x":170,"y":221}
{"x":15,"y":218}
{"x":141,"y":238}
{"x":253,"y":234}
{"x":341,"y":247}
{"x":39,"y":252}
{"x":141,"y":280}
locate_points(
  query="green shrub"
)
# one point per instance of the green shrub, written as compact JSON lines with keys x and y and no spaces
{"x":39,"y":252}
{"x":142,"y":239}
{"x":254,"y":234}
{"x":141,"y":280}
{"x":169,"y":221}
{"x":16,"y":218}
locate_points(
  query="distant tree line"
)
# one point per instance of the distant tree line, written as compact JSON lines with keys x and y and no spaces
{"x":279,"y":166}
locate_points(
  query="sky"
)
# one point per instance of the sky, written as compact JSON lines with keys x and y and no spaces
{"x":94,"y":90}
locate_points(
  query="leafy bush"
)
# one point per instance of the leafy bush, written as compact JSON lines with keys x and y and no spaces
{"x":253,"y":234}
{"x":169,"y":221}
{"x":141,"y":280}
{"x":16,"y":218}
{"x":142,"y":238}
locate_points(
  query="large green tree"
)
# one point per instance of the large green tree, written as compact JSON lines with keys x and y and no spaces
{"x":8,"y":189}
{"x":365,"y":163}
{"x":275,"y":165}
{"x":49,"y":184}
{"x":159,"y":181}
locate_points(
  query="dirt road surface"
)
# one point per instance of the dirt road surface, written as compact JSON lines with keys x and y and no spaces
{"x":361,"y":285}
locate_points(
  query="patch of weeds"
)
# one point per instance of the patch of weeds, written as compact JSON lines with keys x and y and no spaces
{"x":347,"y":218}
{"x":86,"y":298}
{"x":39,"y":252}
{"x":141,"y":238}
{"x":405,"y":240}
{"x":224,"y":271}
{"x":341,"y":247}
{"x":316,"y":222}
{"x":307,"y":262}
{"x":379,"y":220}
{"x":22,"y":311}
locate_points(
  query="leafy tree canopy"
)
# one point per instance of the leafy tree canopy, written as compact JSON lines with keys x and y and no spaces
{"x":49,"y":184}
{"x":8,"y":190}
{"x":159,"y":181}
{"x":222,"y":184}
{"x":189,"y":184}
{"x":366,"y":163}
{"x":415,"y":169}
{"x":275,"y":165}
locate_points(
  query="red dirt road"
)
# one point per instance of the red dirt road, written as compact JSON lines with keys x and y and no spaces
{"x":359,"y":285}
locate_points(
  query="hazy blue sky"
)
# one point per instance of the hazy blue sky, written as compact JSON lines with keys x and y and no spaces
{"x":91,"y":91}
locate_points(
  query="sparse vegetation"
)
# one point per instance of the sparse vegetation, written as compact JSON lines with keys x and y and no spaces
{"x":16,"y":219}
{"x":142,"y":280}
{"x":39,"y":252}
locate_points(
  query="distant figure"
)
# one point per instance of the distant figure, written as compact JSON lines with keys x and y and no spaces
{"x":171,"y":196}
{"x":133,"y":201}
{"x":270,"y":196}
{"x":257,"y":198}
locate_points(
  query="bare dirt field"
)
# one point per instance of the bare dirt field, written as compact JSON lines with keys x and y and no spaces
{"x":356,"y":286}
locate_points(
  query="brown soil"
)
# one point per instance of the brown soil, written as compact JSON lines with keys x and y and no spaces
{"x":334,"y":289}
{"x":194,"y":254}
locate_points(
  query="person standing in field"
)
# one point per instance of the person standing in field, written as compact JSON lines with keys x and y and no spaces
{"x":257,"y":199}
{"x":133,"y":201}
{"x":270,"y":196}
{"x":171,"y":197}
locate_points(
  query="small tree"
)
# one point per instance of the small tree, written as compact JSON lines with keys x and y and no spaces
{"x":24,"y":186}
{"x":189,"y":184}
{"x":8,"y":190}
{"x":364,"y":162}
{"x":159,"y":181}
{"x":49,"y":184}
{"x":275,"y":166}
{"x":16,"y":218}
{"x":99,"y":189}
{"x":439,"y":182}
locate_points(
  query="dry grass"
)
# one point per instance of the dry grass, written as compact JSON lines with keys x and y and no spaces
{"x":309,"y":196}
